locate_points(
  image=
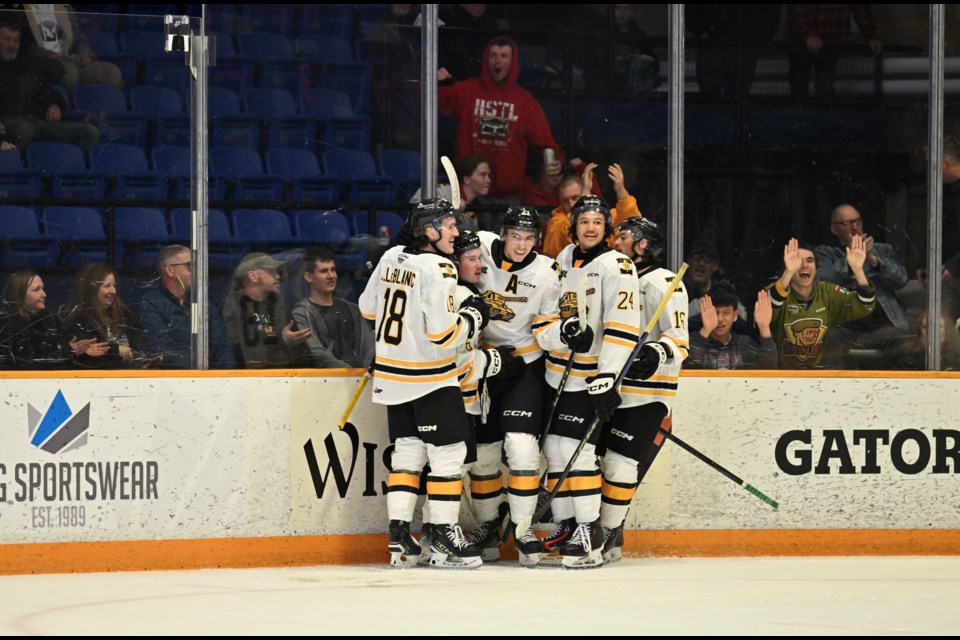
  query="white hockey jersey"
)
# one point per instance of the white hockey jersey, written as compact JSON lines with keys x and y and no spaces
{"x":671,"y":328}
{"x":522,"y":298}
{"x":471,"y":362}
{"x":611,"y":289}
{"x":411,"y":296}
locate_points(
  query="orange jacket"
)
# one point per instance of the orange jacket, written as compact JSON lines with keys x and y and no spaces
{"x":557,"y":233}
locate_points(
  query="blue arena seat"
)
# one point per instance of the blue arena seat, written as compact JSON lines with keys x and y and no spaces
{"x":22,"y":244}
{"x":225,"y":248}
{"x":283,"y":125}
{"x":168,"y":121}
{"x":79,"y":233}
{"x":231,"y":127}
{"x":358,"y":170}
{"x":404,"y":167}
{"x":332,"y":229}
{"x":172,"y":162}
{"x":242,"y":172}
{"x":300,"y":171}
{"x":341,"y":126}
{"x":129,"y":175}
{"x":108,"y":106}
{"x":63,"y":168}
{"x":140,"y":234}
{"x":267,"y":229}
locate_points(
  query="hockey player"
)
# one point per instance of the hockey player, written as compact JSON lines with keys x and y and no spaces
{"x":600,"y":290}
{"x":630,"y":441}
{"x":475,"y":367}
{"x":418,"y":329}
{"x":521,"y":289}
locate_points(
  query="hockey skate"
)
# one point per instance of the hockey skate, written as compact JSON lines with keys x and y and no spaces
{"x":529,"y":547}
{"x":486,"y":537}
{"x":584,"y":549}
{"x":557,"y":537}
{"x":449,"y":548}
{"x":404,"y":550}
{"x":613,"y":544}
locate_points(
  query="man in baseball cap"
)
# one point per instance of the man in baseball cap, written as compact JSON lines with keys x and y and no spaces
{"x":256,"y":316}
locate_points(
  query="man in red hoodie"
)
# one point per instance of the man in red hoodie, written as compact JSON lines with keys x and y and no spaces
{"x":497,"y":118}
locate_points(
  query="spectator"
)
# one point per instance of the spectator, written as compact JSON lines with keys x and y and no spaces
{"x":950,"y":231}
{"x":888,"y":323}
{"x":339,"y":336}
{"x":558,"y":232}
{"x":256,"y":318}
{"x":95,"y":311}
{"x":704,"y":262}
{"x":497,"y":118}
{"x":816,"y":34}
{"x":541,"y":188}
{"x":475,"y":184}
{"x":729,"y":40}
{"x":629,"y":64}
{"x":30,"y":336}
{"x":52,"y":32}
{"x":717,"y":346}
{"x":805,"y":310}
{"x":911,"y":352}
{"x":30,"y":107}
{"x":165,"y":319}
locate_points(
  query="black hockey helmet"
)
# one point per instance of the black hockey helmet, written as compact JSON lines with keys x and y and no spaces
{"x":468,"y":240}
{"x":521,"y":218}
{"x":641,"y":228}
{"x":431,"y":213}
{"x":590,"y":203}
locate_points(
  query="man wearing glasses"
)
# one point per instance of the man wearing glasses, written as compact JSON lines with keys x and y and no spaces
{"x":165,"y":315}
{"x":888,"y":324}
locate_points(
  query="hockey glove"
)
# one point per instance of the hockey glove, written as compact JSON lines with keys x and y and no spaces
{"x":475,"y":309}
{"x":603,"y":395}
{"x":576,"y":340}
{"x":651,"y":356}
{"x":501,"y":362}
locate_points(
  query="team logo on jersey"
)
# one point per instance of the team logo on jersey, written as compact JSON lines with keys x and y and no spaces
{"x":626,"y":266}
{"x":497,"y":304}
{"x":804,"y":339}
{"x":447,"y":270}
{"x":568,"y":304}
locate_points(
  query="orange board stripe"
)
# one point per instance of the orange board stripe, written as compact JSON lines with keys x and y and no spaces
{"x":157,"y":555}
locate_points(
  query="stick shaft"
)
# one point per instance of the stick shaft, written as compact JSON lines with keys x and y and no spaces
{"x":729,"y":474}
{"x":353,"y":400}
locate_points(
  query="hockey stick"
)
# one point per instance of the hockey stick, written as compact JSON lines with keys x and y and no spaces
{"x":596,"y":420}
{"x":356,"y":396}
{"x":749,"y":487}
{"x":582,"y":317}
{"x":454,"y":181}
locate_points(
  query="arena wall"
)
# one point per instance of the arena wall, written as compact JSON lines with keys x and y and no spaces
{"x":104,"y":472}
